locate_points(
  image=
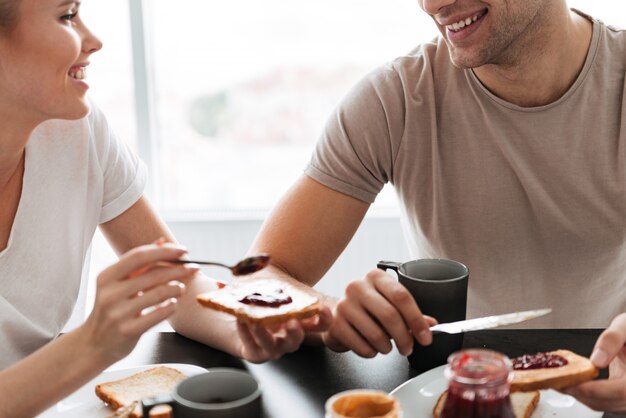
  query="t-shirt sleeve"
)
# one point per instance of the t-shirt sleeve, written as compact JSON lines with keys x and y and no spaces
{"x":355,"y":153}
{"x":124,"y":175}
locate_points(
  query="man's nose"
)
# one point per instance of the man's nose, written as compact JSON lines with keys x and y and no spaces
{"x":432,"y":7}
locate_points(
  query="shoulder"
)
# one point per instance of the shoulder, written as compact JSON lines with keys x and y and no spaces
{"x":609,"y":40}
{"x":416,"y":72}
{"x":424,"y":57}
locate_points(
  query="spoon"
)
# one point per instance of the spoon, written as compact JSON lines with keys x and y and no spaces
{"x":248,"y":265}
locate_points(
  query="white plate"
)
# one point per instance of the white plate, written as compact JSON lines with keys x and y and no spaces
{"x":419,"y":395}
{"x":84,"y":402}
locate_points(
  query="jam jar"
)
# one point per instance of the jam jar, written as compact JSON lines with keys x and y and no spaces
{"x":478,"y":385}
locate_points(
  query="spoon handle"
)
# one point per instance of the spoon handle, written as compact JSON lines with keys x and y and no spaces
{"x":206,"y":263}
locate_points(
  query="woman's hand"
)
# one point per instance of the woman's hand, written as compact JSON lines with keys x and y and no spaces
{"x":260,"y":344}
{"x":610,"y":350}
{"x":133,"y":295}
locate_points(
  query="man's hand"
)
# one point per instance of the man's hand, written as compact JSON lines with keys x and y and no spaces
{"x":374,"y":311}
{"x":610,"y":350}
{"x":260,"y":344}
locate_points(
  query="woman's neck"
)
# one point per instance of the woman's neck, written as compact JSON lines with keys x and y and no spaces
{"x":17,"y":128}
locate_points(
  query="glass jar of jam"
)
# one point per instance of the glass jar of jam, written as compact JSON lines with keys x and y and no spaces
{"x":478,"y":385}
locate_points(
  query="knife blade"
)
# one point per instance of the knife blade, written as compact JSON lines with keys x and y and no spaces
{"x":488,"y":321}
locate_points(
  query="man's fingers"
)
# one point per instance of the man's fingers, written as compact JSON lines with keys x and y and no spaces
{"x":320,"y":322}
{"x":343,"y":335}
{"x":610,"y":342}
{"x":378,"y":321}
{"x":293,"y":338}
{"x":247,"y":338}
{"x":601,"y":395}
{"x":404,"y":303}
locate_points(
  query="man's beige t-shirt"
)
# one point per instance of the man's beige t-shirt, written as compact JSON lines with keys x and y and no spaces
{"x":532,"y":200}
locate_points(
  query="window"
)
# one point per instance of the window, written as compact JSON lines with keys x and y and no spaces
{"x":110,"y":74}
{"x":243,"y":89}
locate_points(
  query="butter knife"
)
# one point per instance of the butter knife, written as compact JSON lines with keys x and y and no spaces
{"x":488,"y":321}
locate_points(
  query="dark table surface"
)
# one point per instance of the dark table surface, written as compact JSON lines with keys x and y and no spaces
{"x":298,"y":384}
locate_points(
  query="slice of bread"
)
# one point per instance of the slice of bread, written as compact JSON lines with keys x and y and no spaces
{"x":578,"y":369}
{"x":524,"y":403}
{"x":302,"y":305}
{"x":122,"y":394}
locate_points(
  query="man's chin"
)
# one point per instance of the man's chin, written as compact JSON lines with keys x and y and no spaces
{"x":465,"y":61}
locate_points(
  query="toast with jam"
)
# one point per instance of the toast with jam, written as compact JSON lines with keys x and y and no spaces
{"x":552,"y":370}
{"x":524,"y":403}
{"x":261,"y":301}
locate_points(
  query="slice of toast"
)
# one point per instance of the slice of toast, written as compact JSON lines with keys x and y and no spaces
{"x":228,"y":299}
{"x":122,"y":394}
{"x":524,"y":403}
{"x":578,"y":369}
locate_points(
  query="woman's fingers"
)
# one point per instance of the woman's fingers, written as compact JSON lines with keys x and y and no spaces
{"x":140,"y":324}
{"x":132,"y":308}
{"x":155,"y":277}
{"x":140,"y":259}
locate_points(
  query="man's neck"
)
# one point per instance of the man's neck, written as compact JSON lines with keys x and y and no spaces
{"x":537,"y":76}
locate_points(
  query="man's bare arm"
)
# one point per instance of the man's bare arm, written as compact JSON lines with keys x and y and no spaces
{"x":308,"y":230}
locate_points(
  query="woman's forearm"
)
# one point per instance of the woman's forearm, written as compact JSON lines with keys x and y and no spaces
{"x":48,"y":375}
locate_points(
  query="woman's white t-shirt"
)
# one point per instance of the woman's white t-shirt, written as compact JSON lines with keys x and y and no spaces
{"x":77,"y":175}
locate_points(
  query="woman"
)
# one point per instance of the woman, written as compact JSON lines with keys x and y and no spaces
{"x":63,"y":173}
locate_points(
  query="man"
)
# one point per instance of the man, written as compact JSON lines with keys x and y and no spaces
{"x":503,"y":141}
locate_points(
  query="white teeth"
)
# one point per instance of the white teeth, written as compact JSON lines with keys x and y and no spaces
{"x":81,"y":74}
{"x":462,"y":23}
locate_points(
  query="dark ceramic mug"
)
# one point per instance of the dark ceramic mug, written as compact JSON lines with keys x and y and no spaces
{"x":218,"y":393}
{"x":439,"y":287}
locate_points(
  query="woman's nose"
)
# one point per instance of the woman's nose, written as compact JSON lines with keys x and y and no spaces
{"x":91,"y":43}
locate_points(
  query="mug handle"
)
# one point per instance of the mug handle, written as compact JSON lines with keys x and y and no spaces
{"x":148,"y":403}
{"x":393,"y":265}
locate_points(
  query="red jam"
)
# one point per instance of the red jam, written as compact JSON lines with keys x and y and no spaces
{"x":538,"y":361}
{"x":478,"y":385}
{"x":272,"y":300}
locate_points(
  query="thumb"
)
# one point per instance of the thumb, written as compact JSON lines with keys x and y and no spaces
{"x":610,"y":342}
